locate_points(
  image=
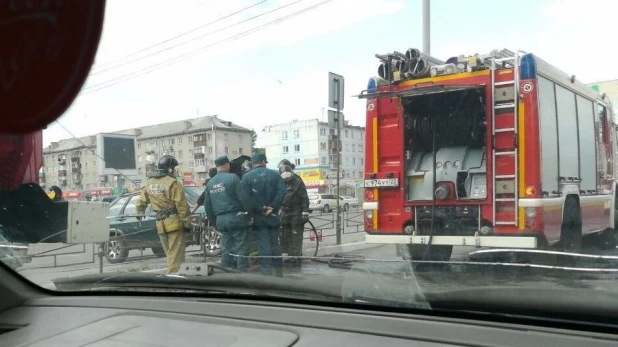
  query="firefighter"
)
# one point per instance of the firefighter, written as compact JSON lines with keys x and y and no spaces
{"x":228,"y":205}
{"x":167,"y":197}
{"x":266,"y":189}
{"x":200,"y":201}
{"x":294,"y":214}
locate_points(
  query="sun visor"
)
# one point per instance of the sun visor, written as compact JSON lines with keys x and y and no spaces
{"x":48,"y":48}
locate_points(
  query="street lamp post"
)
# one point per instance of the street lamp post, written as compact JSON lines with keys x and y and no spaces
{"x":426,"y":28}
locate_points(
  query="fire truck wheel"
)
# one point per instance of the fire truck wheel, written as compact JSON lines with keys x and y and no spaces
{"x":571,"y":232}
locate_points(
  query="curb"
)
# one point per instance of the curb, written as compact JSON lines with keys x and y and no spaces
{"x":345,"y":248}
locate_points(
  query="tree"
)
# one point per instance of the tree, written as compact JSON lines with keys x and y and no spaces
{"x":253,"y":138}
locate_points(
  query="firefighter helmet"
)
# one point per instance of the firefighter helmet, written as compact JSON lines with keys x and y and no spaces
{"x":167,"y":164}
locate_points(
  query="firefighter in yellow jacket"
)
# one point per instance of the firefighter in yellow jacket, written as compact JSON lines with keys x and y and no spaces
{"x":167,"y":197}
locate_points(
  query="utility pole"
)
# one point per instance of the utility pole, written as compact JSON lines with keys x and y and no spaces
{"x":426,"y":28}
{"x":336,"y":101}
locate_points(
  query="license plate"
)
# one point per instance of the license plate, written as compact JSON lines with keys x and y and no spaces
{"x":382,"y":182}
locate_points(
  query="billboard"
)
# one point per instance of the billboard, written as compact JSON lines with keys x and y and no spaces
{"x":117,"y":154}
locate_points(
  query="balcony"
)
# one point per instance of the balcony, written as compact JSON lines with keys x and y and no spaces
{"x":199,"y":155}
{"x":62,"y":161}
{"x":200,"y":169}
{"x":199,"y":143}
{"x":62,"y":173}
{"x":74,"y":159}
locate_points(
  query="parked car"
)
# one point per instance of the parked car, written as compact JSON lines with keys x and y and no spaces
{"x":322,"y":202}
{"x":210,"y":238}
{"x":347,"y":202}
{"x":127,"y":233}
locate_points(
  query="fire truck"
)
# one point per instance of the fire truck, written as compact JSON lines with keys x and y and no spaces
{"x":497,"y":150}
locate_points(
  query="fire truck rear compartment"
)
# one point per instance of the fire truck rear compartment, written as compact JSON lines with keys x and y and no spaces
{"x":458,"y":120}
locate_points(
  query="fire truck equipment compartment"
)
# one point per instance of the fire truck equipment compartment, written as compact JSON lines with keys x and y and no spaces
{"x":460,"y":127}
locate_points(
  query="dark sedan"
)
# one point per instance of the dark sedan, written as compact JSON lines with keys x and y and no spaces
{"x":127,"y":233}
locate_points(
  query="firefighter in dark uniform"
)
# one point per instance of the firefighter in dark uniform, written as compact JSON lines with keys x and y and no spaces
{"x":294,"y":214}
{"x":266,"y":189}
{"x":228,"y":205}
{"x":167,"y":198}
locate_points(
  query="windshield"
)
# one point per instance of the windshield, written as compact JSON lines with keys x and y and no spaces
{"x":388,"y":161}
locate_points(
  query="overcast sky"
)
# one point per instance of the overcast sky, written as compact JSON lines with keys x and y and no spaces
{"x":146,"y":72}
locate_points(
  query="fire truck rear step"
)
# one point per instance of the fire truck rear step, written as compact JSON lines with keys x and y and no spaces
{"x":505,"y":130}
{"x":503,"y":177}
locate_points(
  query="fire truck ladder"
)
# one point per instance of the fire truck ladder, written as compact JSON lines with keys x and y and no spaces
{"x":504,"y":98}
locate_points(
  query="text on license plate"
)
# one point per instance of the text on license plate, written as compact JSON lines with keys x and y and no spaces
{"x":382,"y":182}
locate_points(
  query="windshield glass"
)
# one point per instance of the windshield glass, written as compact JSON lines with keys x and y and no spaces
{"x":388,"y":161}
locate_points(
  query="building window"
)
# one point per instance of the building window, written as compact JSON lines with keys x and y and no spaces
{"x":209,"y":149}
{"x":347,"y":134}
{"x":200,"y":162}
{"x":170,"y":141}
{"x":323,"y":145}
{"x":296,"y":134}
{"x":179,"y":154}
{"x":139,"y":158}
{"x":322,"y":131}
{"x":284,"y":135}
{"x":361,"y":135}
{"x":240,"y":151}
{"x":347,"y":160}
{"x":361,"y":161}
{"x":323,"y":160}
{"x":346,"y":147}
{"x":296,"y":161}
{"x":227,"y":151}
{"x":285,"y":149}
{"x":139,"y":146}
{"x":179,"y":140}
{"x":239,"y":137}
{"x":353,"y":148}
{"x":191,"y":164}
{"x":190,"y":138}
{"x":360,"y":147}
{"x":225,"y":137}
{"x":208,"y":137}
{"x":162,"y":143}
{"x":190,"y":153}
{"x":360,"y":174}
{"x":353,"y":161}
{"x":296,"y":148}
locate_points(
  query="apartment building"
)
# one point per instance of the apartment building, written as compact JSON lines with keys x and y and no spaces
{"x":71,"y":163}
{"x":310,"y":145}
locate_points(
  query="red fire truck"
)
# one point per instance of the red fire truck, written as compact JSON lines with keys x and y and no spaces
{"x":501,"y":150}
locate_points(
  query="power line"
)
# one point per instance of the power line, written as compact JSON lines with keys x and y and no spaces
{"x":193,"y":39}
{"x":177,"y":59}
{"x":183,"y":34}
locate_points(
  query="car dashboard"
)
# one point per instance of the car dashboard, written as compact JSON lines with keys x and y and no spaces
{"x":111,"y":320}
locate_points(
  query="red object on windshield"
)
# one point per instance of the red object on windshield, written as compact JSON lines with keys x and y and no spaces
{"x":21,"y":157}
{"x":48,"y":48}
